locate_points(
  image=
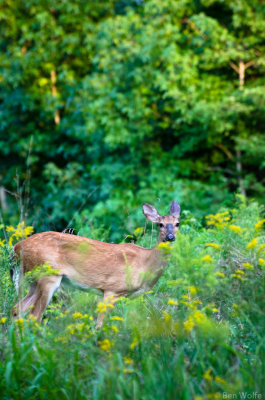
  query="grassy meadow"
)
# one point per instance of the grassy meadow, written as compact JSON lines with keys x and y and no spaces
{"x":199,"y":334}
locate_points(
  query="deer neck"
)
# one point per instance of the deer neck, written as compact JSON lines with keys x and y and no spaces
{"x":157,"y":262}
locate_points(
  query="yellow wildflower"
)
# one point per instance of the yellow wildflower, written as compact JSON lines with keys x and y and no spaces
{"x":114,"y":328}
{"x":105,"y":344}
{"x":184,"y":296}
{"x":220,"y":380}
{"x":20,"y":232}
{"x":252,"y":244}
{"x":77,"y":315}
{"x":236,"y":229}
{"x":172,"y":302}
{"x":261,"y":262}
{"x":193,"y":290}
{"x":167,"y":316}
{"x":71,"y":329}
{"x":213,"y":245}
{"x":239,"y":271}
{"x":138,"y":231}
{"x":237,"y":276}
{"x":165,"y":247}
{"x":60,"y":339}
{"x":248,"y":265}
{"x":219,"y":220}
{"x":220,"y":274}
{"x":207,"y":375}
{"x":3,"y":320}
{"x":197,"y":302}
{"x":128,"y":360}
{"x":134,"y":343}
{"x":2,"y":243}
{"x":20,"y":323}
{"x":259,"y":225}
{"x":215,"y":309}
{"x":198,"y":316}
{"x":207,"y":258}
{"x":261,"y":247}
{"x":115,"y":318}
{"x":188,"y":325}
{"x":214,"y":396}
{"x":102,"y":307}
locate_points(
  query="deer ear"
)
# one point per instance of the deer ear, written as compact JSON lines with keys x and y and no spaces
{"x":151,"y":213}
{"x":175,"y":208}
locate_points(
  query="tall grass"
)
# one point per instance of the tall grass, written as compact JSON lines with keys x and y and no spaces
{"x":199,"y":334}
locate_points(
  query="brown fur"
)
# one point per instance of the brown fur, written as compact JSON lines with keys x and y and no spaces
{"x":114,"y":269}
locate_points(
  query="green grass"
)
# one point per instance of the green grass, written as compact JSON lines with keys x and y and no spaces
{"x":198,"y":334}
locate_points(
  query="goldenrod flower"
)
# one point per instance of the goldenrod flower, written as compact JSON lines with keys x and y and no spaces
{"x":193,"y":290}
{"x":167,"y":317}
{"x":220,"y":380}
{"x":102,"y":307}
{"x":261,"y":262}
{"x":207,"y":258}
{"x":138,"y":231}
{"x":237,"y":276}
{"x":20,"y":323}
{"x":219,"y":220}
{"x":248,"y":265}
{"x":207,"y":375}
{"x":220,"y":274}
{"x":127,"y":371}
{"x":105,"y":344}
{"x":252,"y":244}
{"x":165,"y":247}
{"x":239,"y":271}
{"x":3,"y":320}
{"x":261,"y":248}
{"x":215,"y":310}
{"x":128,"y":360}
{"x":114,"y":328}
{"x":115,"y":318}
{"x":20,"y":232}
{"x":188,"y":325}
{"x":77,"y":315}
{"x":71,"y":329}
{"x":198,"y":316}
{"x":134,"y":343}
{"x":172,"y":302}
{"x":236,"y":229}
{"x":213,"y":245}
{"x":259,"y":225}
{"x":197,"y":302}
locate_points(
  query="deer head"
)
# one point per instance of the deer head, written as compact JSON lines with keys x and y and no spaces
{"x":168,"y":224}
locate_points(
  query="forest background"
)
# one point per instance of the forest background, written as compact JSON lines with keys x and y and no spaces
{"x":106,"y":105}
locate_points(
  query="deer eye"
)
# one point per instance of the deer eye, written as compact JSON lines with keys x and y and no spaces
{"x":161,"y":225}
{"x":177,"y":224}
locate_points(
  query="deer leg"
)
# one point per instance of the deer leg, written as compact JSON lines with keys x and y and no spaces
{"x":26,"y":302}
{"x":45,"y":289}
{"x":109,"y":298}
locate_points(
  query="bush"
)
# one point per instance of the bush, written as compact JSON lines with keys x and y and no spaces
{"x":198,"y":334}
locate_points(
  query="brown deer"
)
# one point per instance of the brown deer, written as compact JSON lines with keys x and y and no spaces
{"x":114,"y":269}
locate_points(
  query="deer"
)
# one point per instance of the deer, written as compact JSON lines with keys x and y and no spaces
{"x":114,"y":269}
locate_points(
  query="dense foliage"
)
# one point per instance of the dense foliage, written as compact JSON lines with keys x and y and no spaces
{"x":198,"y":335}
{"x":105,"y":105}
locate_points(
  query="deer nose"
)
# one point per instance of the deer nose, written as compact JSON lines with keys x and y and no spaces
{"x":170,"y":237}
